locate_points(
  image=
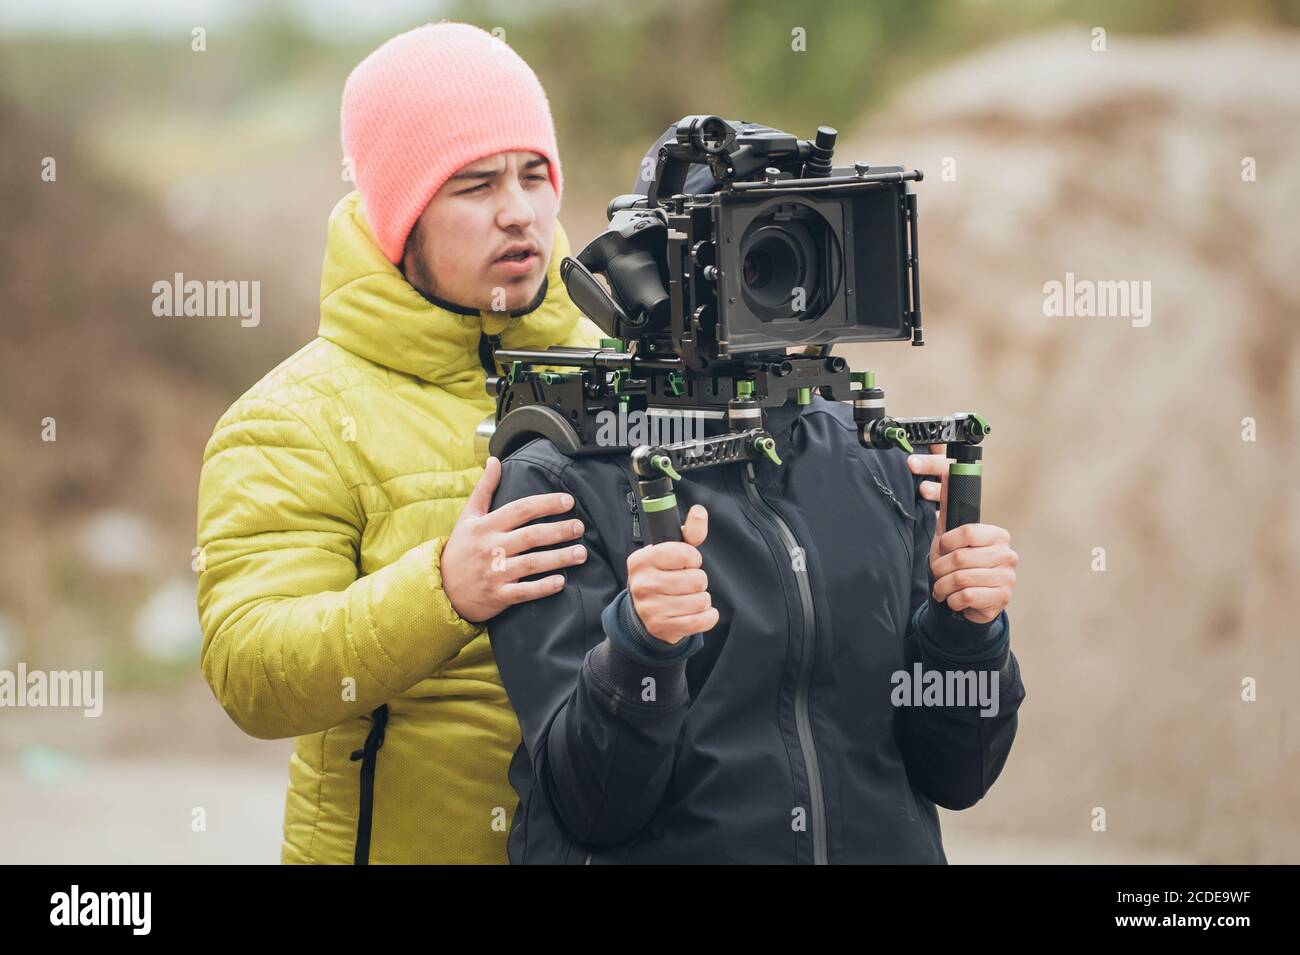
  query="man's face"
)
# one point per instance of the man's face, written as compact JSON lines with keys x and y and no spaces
{"x":488,"y":208}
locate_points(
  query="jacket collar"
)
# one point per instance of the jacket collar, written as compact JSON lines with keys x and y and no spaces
{"x":369,"y":308}
{"x":532,"y":306}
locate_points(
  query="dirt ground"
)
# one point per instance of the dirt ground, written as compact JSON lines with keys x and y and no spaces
{"x":131,"y":800}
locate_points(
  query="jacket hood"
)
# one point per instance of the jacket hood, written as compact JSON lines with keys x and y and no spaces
{"x":369,"y":308}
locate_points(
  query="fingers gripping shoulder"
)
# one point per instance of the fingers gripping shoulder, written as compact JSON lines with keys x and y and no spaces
{"x":539,"y":468}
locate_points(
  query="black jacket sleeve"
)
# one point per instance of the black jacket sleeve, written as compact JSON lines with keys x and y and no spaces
{"x":953,"y":753}
{"x":599,"y":708}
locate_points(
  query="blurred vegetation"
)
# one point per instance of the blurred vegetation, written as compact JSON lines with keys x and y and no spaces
{"x":616,"y":77}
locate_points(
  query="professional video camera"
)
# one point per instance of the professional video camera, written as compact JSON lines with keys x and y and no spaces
{"x":706,"y":293}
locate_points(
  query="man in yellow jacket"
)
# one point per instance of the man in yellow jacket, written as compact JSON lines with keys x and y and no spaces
{"x":349,"y":562}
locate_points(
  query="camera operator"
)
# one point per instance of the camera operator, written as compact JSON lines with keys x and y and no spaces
{"x":733,"y":696}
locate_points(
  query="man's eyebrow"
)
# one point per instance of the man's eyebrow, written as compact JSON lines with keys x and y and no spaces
{"x":486,"y":174}
{"x":493,"y":173}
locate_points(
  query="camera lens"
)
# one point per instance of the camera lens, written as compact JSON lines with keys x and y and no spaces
{"x":758,"y":269}
{"x":772,"y":267}
{"x":787,"y":263}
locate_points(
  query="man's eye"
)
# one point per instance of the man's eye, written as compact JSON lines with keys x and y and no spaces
{"x":479,"y":187}
{"x":541,"y":178}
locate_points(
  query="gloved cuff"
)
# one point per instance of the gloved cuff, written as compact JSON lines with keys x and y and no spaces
{"x":629,"y":636}
{"x":949,"y":636}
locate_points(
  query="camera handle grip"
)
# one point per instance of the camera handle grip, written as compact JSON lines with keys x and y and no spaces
{"x":964,"y":480}
{"x":659,"y":518}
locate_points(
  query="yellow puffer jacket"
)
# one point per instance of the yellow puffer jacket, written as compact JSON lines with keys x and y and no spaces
{"x":327,"y":493}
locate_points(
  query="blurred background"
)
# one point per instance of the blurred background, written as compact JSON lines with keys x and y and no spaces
{"x":1163,"y":149}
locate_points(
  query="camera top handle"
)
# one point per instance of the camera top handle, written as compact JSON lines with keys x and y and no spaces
{"x":734,"y":151}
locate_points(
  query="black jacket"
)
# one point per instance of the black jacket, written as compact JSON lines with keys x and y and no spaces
{"x":777,"y":741}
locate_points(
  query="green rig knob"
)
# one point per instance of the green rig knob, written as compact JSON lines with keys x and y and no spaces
{"x":665,"y":464}
{"x":899,"y":437}
{"x":768,"y":447}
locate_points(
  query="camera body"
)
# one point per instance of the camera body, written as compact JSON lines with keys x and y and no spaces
{"x":707,"y":290}
{"x":789,"y":250}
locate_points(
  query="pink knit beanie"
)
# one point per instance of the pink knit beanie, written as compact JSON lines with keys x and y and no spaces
{"x":427,"y":103}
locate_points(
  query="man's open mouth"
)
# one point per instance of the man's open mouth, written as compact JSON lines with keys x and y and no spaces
{"x":515,"y":257}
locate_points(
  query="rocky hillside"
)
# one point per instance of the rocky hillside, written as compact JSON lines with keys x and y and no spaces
{"x":1122,"y":432}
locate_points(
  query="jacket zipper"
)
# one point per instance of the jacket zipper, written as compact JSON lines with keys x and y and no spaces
{"x":367,"y":754}
{"x":803,"y":722}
